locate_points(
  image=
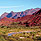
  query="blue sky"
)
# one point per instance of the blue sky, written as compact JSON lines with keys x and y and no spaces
{"x":18,"y":5}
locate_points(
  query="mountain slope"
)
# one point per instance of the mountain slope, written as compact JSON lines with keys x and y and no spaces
{"x":28,"y":20}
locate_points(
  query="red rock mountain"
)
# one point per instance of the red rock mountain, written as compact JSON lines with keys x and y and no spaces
{"x":28,"y":20}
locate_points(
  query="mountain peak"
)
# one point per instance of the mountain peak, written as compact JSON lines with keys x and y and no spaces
{"x":12,"y":12}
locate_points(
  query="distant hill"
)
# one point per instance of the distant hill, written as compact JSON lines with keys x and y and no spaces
{"x":19,"y":14}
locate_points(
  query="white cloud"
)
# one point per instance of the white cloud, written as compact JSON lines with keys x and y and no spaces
{"x":11,"y":6}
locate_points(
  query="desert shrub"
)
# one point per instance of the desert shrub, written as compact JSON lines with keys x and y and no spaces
{"x":2,"y":38}
{"x":14,"y":23}
{"x":38,"y":38}
{"x":2,"y":26}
